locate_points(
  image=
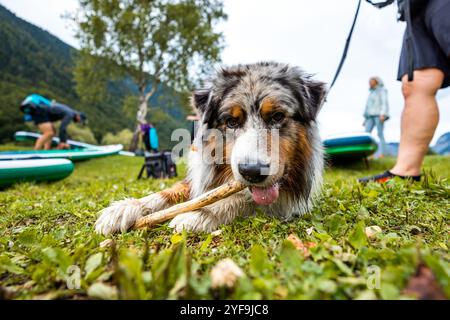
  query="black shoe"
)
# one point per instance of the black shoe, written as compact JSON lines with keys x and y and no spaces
{"x":386,"y":176}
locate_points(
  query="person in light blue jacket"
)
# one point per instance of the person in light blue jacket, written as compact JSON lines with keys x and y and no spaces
{"x":377,"y":110}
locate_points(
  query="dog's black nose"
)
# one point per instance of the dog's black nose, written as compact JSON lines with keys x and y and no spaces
{"x":253,"y":172}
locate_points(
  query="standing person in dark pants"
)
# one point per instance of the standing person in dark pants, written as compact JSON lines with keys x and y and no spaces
{"x":430,"y":39}
{"x":44,"y":113}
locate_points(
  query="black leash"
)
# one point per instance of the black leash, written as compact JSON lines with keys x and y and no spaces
{"x":409,"y":39}
{"x":347,"y":44}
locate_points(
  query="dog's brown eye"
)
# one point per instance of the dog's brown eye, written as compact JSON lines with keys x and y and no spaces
{"x":278,"y":117}
{"x":232,"y":123}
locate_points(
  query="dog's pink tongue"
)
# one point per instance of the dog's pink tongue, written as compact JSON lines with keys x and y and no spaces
{"x":265,"y":196}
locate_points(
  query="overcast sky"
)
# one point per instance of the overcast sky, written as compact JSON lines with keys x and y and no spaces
{"x":307,"y":33}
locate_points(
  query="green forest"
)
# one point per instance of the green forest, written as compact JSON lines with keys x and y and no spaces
{"x":34,"y":61}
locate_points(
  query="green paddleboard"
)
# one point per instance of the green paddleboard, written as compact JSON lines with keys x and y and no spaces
{"x":352,"y":151}
{"x":72,"y":154}
{"x":76,"y":145}
{"x":350,"y":145}
{"x":12,"y":171}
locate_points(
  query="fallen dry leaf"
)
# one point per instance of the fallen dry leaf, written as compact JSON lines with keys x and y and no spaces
{"x":225,"y":274}
{"x":423,"y":285}
{"x":303,"y":247}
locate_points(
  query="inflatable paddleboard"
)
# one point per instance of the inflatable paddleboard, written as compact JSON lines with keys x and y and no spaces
{"x":72,"y":154}
{"x":12,"y":171}
{"x":348,"y":139}
{"x":352,"y":145}
{"x":32,"y":136}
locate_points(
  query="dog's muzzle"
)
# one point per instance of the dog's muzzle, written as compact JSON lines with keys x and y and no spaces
{"x":254,"y":172}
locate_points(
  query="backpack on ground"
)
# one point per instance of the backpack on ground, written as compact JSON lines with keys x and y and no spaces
{"x":159,"y":165}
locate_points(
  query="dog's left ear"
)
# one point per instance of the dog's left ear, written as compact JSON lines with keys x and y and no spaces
{"x":315,"y":92}
{"x":309,"y":93}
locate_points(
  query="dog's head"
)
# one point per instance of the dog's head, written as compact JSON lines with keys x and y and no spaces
{"x":256,"y":120}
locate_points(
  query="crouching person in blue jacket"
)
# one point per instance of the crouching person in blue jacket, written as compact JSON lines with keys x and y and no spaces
{"x":44,"y":113}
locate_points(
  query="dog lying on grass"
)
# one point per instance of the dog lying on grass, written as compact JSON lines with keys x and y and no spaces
{"x":258,"y":126}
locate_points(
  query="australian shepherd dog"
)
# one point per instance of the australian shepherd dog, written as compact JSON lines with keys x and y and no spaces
{"x":258,"y":126}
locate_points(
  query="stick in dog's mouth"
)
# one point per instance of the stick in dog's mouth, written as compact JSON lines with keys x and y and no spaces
{"x":201,"y":201}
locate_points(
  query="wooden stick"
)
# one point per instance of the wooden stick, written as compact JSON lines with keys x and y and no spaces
{"x":205,"y":199}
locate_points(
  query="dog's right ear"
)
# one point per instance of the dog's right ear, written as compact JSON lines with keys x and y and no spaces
{"x":200,"y":99}
{"x":206,"y":106}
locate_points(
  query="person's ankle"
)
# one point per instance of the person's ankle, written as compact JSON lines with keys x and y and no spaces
{"x":405,"y":172}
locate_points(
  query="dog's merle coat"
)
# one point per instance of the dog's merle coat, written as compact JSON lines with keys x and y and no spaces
{"x":246,"y":104}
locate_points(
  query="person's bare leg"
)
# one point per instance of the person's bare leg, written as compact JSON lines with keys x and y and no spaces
{"x":47,"y":135}
{"x":48,"y":144}
{"x":420,"y":118}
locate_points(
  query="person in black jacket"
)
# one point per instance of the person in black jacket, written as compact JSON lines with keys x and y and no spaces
{"x":44,"y":114}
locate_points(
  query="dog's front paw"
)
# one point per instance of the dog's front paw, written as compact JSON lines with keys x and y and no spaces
{"x":119,"y":216}
{"x":194,"y":221}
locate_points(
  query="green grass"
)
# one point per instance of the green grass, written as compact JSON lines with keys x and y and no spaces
{"x":47,"y":240}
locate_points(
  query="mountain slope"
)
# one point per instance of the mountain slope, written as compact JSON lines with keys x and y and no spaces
{"x":34,"y":61}
{"x":33,"y":55}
